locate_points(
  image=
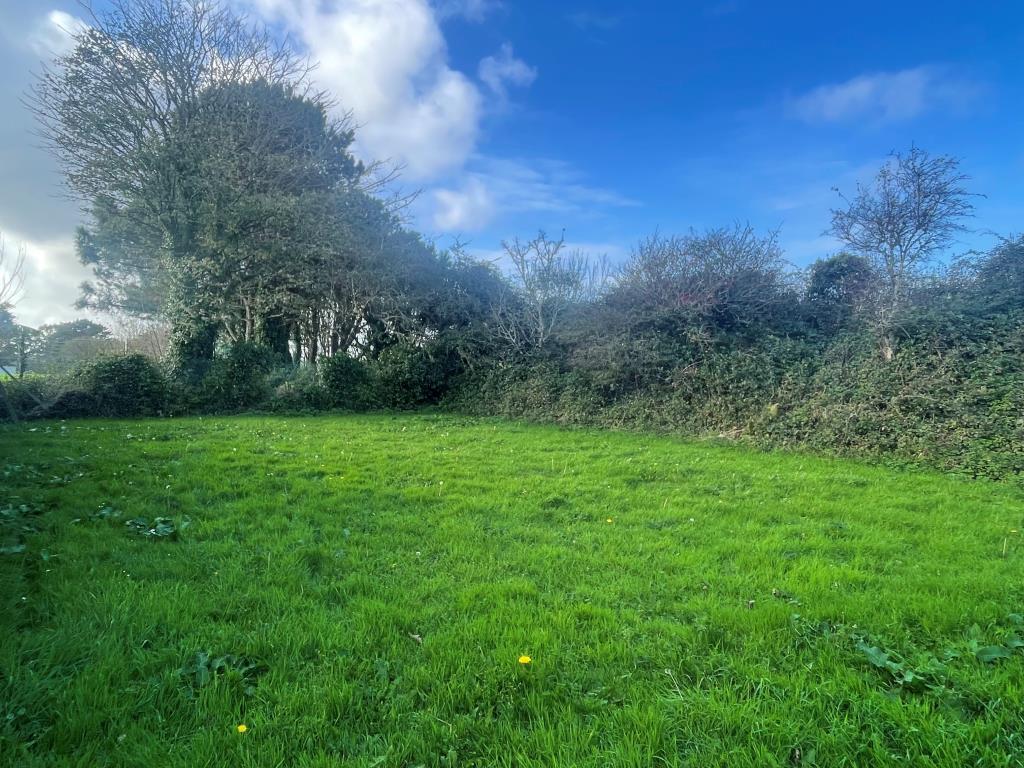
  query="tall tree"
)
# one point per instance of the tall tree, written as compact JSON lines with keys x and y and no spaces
{"x":269,"y":163}
{"x":902,"y":222}
{"x":118,"y":112}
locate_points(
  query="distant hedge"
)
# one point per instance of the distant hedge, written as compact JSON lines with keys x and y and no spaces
{"x":955,"y":404}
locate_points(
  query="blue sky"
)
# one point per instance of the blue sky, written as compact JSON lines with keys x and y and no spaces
{"x":607,"y":120}
{"x":702,"y":113}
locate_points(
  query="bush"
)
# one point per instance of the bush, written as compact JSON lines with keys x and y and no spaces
{"x":71,"y":404}
{"x":410,"y":375}
{"x":237,"y":378}
{"x":952,"y":402}
{"x":347,"y":383}
{"x":297,"y":389}
{"x":27,"y":394}
{"x":121,"y":385}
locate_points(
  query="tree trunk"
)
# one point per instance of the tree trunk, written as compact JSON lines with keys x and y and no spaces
{"x":272,"y":332}
{"x":887,"y":346}
{"x":297,"y":341}
{"x":314,"y":336}
{"x":22,"y":353}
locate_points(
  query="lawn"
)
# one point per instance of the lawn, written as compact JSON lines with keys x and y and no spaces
{"x":361,"y":591}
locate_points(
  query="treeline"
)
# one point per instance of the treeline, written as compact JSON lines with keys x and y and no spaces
{"x":226,"y":202}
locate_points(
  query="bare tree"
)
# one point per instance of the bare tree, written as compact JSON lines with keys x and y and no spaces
{"x":726,"y":275}
{"x":134,"y":82}
{"x":147,"y":336}
{"x":549,"y":282}
{"x":902,"y":222}
{"x":12,"y":275}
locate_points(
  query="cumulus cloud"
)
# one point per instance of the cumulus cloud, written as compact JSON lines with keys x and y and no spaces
{"x":33,"y":212}
{"x":386,"y":61}
{"x":887,"y":96}
{"x":467,"y":208}
{"x":504,"y":69}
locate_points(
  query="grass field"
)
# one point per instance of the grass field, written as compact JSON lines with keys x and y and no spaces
{"x":359,"y":591}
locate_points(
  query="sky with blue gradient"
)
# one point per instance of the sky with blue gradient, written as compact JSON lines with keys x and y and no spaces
{"x":605,"y":120}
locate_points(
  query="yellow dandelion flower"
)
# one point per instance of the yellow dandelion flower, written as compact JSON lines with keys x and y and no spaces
{"x":525,"y":660}
{"x":242,"y":728}
{"x":608,"y":520}
{"x":1013,"y":530}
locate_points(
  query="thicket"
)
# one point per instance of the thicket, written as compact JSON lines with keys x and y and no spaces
{"x":944,"y":387}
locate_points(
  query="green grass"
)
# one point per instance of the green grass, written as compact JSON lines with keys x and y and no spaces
{"x":368,"y":584}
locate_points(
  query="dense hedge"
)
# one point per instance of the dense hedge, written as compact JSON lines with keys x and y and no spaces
{"x":237,"y":380}
{"x":953,"y":403}
{"x":121,"y":385}
{"x":348,"y":383}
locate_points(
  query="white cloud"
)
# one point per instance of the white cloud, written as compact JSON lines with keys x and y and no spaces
{"x":504,"y":69}
{"x":493,"y":186}
{"x":386,"y":61}
{"x":470,"y":207}
{"x":54,"y":34}
{"x":32,"y":212}
{"x":887,"y":96}
{"x":52,"y":277}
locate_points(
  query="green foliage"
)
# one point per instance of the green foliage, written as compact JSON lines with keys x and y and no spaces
{"x":122,"y":254}
{"x":237,"y":378}
{"x":191,"y":346}
{"x":237,"y":671}
{"x":347,"y":383}
{"x":297,"y":389}
{"x":996,"y":280}
{"x":119,"y":385}
{"x":956,"y":408}
{"x":159,"y":528}
{"x":26,"y":394}
{"x":414,"y":375}
{"x":57,"y":348}
{"x":17,"y":522}
{"x":951,"y":402}
{"x":837,"y":287}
